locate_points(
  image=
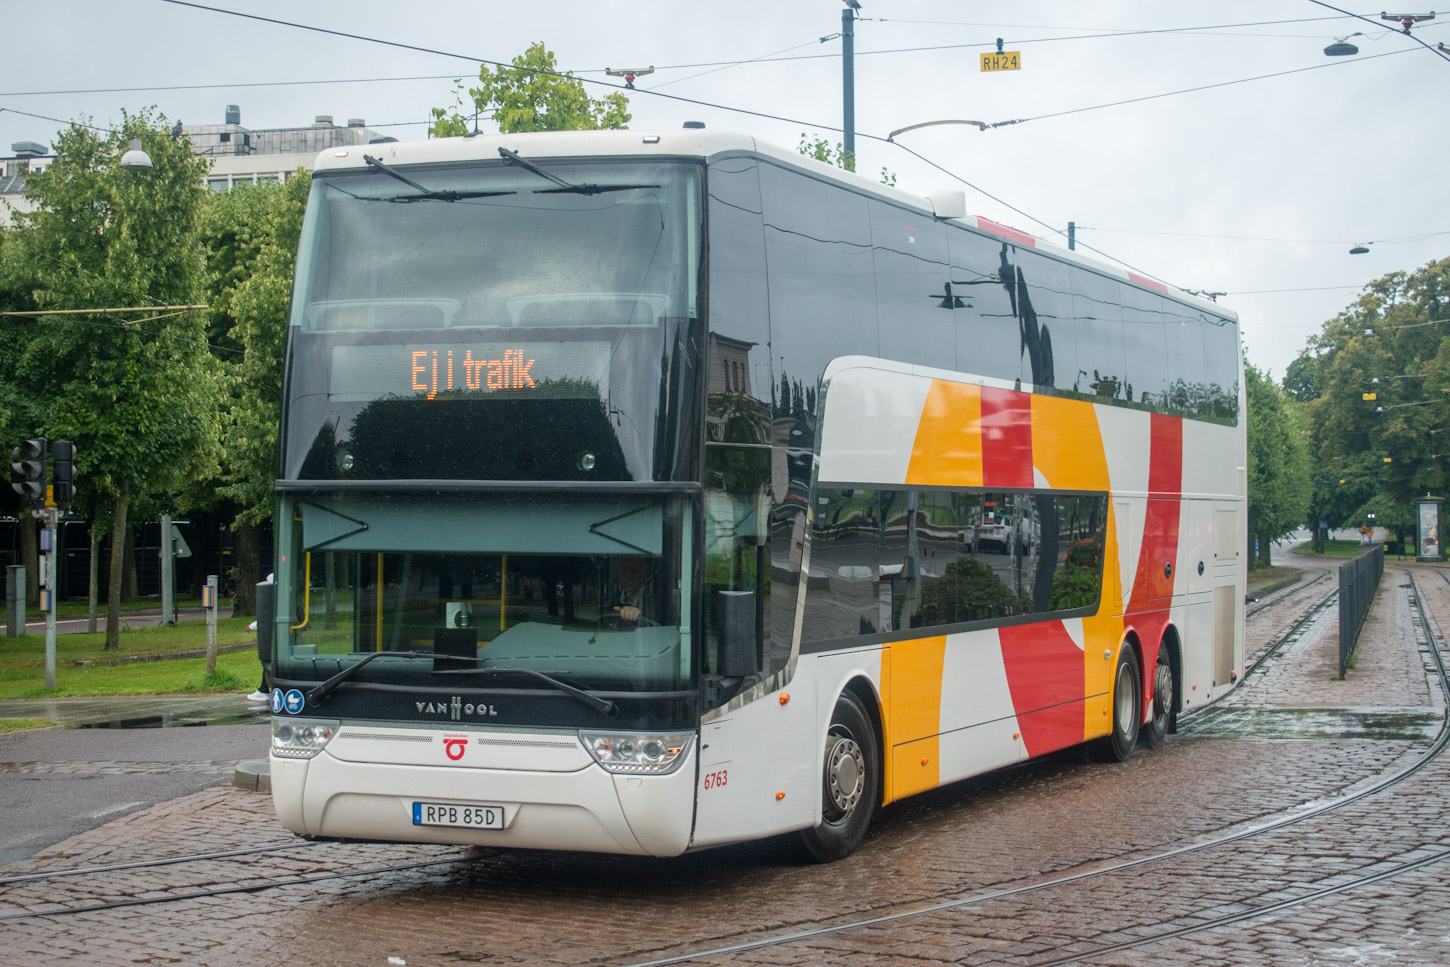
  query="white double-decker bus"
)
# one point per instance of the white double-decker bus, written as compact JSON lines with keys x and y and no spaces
{"x":643,"y":492}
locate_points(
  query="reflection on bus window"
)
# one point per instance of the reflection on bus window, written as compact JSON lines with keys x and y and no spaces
{"x":885,"y":561}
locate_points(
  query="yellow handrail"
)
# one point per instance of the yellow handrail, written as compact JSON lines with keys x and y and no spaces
{"x":306,"y":595}
{"x":378,"y":641}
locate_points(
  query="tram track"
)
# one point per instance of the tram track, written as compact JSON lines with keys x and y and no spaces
{"x":151,"y":864}
{"x":1272,"y":600}
{"x":144,"y":895}
{"x":1296,"y":815}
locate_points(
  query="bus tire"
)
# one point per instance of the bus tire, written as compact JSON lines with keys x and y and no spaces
{"x":850,"y":783}
{"x":1127,"y":709}
{"x":1155,"y":733}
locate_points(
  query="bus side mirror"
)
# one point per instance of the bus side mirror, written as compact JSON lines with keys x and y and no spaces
{"x":266,"y":619}
{"x":737,"y":634}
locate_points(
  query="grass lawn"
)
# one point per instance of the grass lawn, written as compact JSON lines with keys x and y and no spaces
{"x":22,"y":663}
{"x":20,"y":725}
{"x":1332,"y":548}
{"x":1270,"y":575}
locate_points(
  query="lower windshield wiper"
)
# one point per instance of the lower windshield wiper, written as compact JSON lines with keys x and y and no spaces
{"x":564,"y":186}
{"x":593,"y":701}
{"x":427,"y":193}
{"x":318,"y":694}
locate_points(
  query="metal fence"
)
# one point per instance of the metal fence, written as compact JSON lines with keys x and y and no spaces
{"x":1358,"y":581}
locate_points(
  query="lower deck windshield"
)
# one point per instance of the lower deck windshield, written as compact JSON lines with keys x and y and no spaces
{"x":585,"y":592}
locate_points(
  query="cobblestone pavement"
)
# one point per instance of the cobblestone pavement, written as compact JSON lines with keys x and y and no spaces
{"x":1013,"y":828}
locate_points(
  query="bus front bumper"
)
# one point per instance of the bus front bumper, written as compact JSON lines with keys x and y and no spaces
{"x":588,"y":809}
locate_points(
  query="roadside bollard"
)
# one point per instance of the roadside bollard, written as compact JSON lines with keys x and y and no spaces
{"x":15,"y":601}
{"x":208,"y":601}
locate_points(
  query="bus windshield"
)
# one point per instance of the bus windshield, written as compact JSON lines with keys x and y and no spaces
{"x":584,"y":591}
{"x":480,"y":322}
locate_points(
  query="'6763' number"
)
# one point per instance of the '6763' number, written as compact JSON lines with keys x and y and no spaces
{"x":714,"y":780}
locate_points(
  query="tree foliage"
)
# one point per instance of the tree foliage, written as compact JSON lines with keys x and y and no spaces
{"x":1377,"y":455}
{"x":1279,"y":470}
{"x":532,"y":95}
{"x":251,"y":235}
{"x":835,"y":154}
{"x":137,"y":393}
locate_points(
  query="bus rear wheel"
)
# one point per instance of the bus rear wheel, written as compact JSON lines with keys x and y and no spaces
{"x":1155,"y":733}
{"x":1127,"y":709}
{"x":850,"y":784}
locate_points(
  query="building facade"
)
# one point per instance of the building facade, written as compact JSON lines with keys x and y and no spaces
{"x":238,"y":155}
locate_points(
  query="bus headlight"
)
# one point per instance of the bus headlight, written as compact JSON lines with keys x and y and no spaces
{"x":301,"y":738}
{"x":638,"y":753}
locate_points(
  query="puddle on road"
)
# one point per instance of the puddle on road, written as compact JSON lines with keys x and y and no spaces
{"x":1395,"y":724}
{"x":188,"y":719}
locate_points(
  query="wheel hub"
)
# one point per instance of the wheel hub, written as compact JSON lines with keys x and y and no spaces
{"x":1162,"y":691}
{"x":845,"y":773}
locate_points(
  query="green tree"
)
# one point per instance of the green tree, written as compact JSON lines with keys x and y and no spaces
{"x":1375,"y":455}
{"x":533,"y":95}
{"x":835,"y":154}
{"x":251,"y":236}
{"x":137,"y":393}
{"x":23,"y":413}
{"x":1279,"y":471}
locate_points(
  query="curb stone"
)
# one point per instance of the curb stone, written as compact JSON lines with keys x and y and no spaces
{"x":253,"y":775}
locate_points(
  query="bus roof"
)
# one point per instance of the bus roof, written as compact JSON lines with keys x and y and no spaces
{"x":709,"y":144}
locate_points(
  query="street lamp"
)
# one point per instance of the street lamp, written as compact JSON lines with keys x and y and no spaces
{"x":1341,"y":47}
{"x":135,"y":157}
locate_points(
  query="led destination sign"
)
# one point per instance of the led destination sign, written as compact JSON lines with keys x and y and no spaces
{"x":509,"y":372}
{"x":548,"y":369}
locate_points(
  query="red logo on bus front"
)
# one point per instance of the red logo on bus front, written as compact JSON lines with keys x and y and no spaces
{"x":453,"y":746}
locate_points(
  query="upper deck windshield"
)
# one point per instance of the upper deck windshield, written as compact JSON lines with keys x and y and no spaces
{"x":481,"y":322}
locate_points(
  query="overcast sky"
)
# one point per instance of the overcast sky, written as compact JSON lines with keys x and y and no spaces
{"x":1256,"y":189}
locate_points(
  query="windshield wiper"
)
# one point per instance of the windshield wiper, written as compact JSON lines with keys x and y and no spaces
{"x":316,"y":695}
{"x":427,"y":193}
{"x":593,"y":701}
{"x":564,"y":186}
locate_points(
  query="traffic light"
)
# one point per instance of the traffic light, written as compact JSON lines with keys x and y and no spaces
{"x":63,"y":472}
{"x":27,"y":465}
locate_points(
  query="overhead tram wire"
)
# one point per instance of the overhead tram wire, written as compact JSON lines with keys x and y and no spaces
{"x":770,"y":58}
{"x":761,"y":114}
{"x":494,"y":63}
{"x":745,"y":111}
{"x":1380,"y":24}
{"x":1186,"y":90}
{"x":70,"y":123}
{"x":1264,"y":238}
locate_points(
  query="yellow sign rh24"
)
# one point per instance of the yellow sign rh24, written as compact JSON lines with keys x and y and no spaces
{"x":1007,"y":60}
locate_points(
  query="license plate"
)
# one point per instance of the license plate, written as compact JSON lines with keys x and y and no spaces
{"x":475,"y":816}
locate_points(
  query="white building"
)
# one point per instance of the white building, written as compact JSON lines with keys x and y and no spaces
{"x":29,"y":157}
{"x":238,"y":155}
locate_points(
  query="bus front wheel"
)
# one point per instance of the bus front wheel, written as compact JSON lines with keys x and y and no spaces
{"x":1127,"y":708}
{"x":850,"y":786}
